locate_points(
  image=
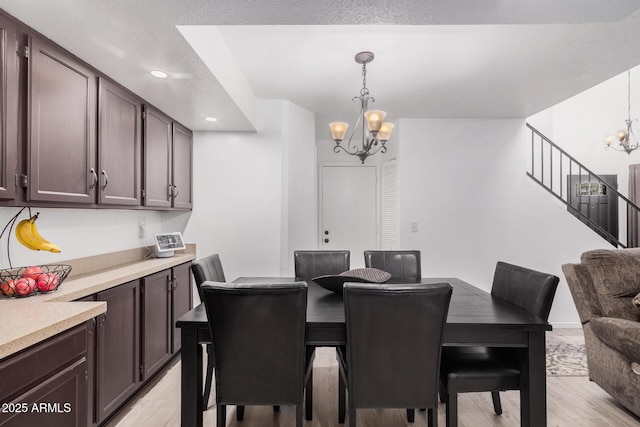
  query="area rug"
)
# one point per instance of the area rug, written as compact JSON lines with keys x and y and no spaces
{"x":566,"y":356}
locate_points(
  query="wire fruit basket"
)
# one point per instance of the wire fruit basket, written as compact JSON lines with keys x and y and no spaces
{"x":26,"y":281}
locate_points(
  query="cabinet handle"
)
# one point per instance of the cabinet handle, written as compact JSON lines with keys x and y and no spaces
{"x":170,"y":191}
{"x":175,"y":283}
{"x":170,"y":286}
{"x":175,"y":194}
{"x":104,"y":319}
{"x":106,"y":179}
{"x":93,"y":327}
{"x":94,"y":175}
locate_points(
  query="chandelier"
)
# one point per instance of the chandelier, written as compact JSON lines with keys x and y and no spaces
{"x":375,"y":134}
{"x":624,"y":136}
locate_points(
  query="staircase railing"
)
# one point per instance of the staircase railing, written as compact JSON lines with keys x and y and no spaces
{"x":572,"y":183}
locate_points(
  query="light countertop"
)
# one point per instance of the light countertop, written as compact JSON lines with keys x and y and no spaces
{"x":27,"y":321}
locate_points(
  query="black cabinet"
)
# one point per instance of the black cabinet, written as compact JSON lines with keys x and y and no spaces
{"x":119,"y":145}
{"x":117,"y":348}
{"x":8,"y":108}
{"x":61,"y":147}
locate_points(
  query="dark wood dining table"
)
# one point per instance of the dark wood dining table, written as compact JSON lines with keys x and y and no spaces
{"x":475,"y":319}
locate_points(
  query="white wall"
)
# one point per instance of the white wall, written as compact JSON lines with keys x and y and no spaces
{"x":243,"y":184}
{"x":79,"y":233}
{"x":464,"y":182}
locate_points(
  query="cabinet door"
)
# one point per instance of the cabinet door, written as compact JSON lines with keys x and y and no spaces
{"x":156,"y":318}
{"x":91,"y":365}
{"x":62,"y":137}
{"x":119,"y":145}
{"x":182,"y":167}
{"x":157,"y":158}
{"x":117,"y":351}
{"x":59,"y":401}
{"x":181,"y":299}
{"x":8,"y":108}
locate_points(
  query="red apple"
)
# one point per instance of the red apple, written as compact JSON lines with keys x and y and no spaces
{"x":32,"y":272}
{"x":25,"y":285}
{"x":8,"y":288}
{"x":47,"y":281}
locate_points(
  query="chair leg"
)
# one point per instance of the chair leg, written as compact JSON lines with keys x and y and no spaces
{"x":352,"y":418}
{"x":443,"y":393}
{"x":497,"y":406}
{"x":432,"y":417}
{"x":221,"y":415}
{"x":308,"y":396}
{"x":208,"y":380}
{"x":240,"y":412}
{"x":452,"y":409}
{"x":276,"y":408}
{"x":411,"y":415}
{"x":342,"y":399}
{"x":298,"y":415}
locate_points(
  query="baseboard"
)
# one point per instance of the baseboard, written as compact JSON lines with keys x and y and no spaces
{"x":570,"y":325}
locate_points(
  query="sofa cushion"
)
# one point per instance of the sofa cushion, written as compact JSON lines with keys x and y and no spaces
{"x":615,"y":275}
{"x":620,"y":334}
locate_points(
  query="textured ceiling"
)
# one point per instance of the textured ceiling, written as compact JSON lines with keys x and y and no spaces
{"x":457,"y":58}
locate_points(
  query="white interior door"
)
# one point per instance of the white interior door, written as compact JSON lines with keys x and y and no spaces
{"x":349,"y":207}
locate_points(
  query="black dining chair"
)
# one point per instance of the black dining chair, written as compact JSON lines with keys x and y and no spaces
{"x":207,"y":269}
{"x":258,"y":334}
{"x":477,"y":369}
{"x":394,"y":341}
{"x":314,"y":263}
{"x":310,"y":264}
{"x":404,"y":266}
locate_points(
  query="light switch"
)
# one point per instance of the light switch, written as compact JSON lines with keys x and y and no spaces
{"x":414,"y":227}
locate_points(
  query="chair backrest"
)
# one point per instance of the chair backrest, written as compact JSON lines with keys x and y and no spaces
{"x":402,"y":265}
{"x":310,"y":264}
{"x":394,"y":340}
{"x":258,"y":334}
{"x":207,"y":269}
{"x":530,"y":290}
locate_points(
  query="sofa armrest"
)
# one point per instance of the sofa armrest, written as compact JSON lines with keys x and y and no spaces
{"x":620,"y":334}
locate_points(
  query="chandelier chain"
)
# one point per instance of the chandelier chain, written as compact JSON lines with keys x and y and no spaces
{"x":364,"y":90}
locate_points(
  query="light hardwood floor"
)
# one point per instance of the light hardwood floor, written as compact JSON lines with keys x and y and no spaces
{"x":571,"y":402}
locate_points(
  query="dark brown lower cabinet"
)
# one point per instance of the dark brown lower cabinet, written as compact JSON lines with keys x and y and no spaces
{"x":117,"y":348}
{"x":181,"y":299}
{"x":156,"y":318}
{"x":82,"y":376}
{"x":46,"y":385}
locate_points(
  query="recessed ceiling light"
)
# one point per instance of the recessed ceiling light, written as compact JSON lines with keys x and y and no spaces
{"x":159,"y":74}
{"x":211,"y":119}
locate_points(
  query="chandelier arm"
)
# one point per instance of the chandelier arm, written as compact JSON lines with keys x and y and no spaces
{"x":337,"y":148}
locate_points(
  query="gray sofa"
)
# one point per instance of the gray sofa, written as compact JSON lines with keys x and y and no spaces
{"x":603,"y":286}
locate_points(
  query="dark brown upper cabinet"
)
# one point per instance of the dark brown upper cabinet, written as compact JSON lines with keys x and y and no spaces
{"x":182,"y":167}
{"x":119,"y":145}
{"x":157,"y":158}
{"x":168,"y":148}
{"x":8,"y":108}
{"x":62,"y":127}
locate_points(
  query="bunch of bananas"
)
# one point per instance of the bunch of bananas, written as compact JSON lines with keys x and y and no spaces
{"x":27,"y":234}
